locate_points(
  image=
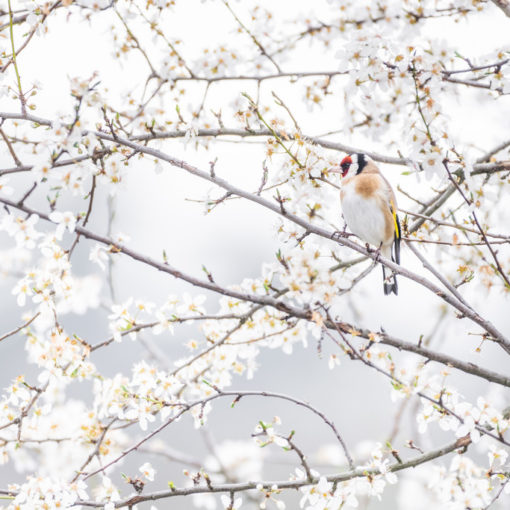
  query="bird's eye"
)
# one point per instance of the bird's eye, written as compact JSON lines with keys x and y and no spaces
{"x":345,"y":165}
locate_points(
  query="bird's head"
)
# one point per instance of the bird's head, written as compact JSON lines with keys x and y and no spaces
{"x":352,"y":164}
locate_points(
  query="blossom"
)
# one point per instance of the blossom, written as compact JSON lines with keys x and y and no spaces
{"x":265,"y":433}
{"x":22,"y":229}
{"x":41,"y":492}
{"x":22,"y":289}
{"x":433,"y":164}
{"x":41,"y":170}
{"x":147,"y":471}
{"x":99,"y":255}
{"x":333,"y":361}
{"x":191,"y":304}
{"x":319,"y":496}
{"x":65,"y":220}
{"x":469,"y":427}
{"x":4,"y":189}
{"x":164,"y":323}
{"x":497,"y":457}
{"x":107,"y":491}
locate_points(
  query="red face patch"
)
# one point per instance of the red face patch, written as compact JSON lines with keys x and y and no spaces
{"x":346,"y":164}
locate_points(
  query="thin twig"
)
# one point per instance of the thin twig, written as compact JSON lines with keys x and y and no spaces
{"x":18,"y":329}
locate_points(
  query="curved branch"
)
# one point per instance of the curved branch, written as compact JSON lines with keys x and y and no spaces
{"x":504,"y":5}
{"x":480,"y":167}
{"x":245,"y":133}
{"x":284,"y":484}
{"x":19,"y":328}
{"x":220,"y":394}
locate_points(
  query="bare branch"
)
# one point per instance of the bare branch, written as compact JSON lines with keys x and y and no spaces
{"x":185,"y":407}
{"x":18,"y":329}
{"x":504,"y":5}
{"x":285,"y":484}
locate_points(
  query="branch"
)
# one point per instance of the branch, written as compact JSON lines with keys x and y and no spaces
{"x":17,"y":162}
{"x":46,"y":13}
{"x":18,"y":329}
{"x":462,"y":228}
{"x":253,"y":38}
{"x":504,"y":5}
{"x":469,"y":202}
{"x":468,"y":368}
{"x":488,"y":155}
{"x":487,"y":325}
{"x":472,"y":68}
{"x":220,"y":394}
{"x":56,"y":164}
{"x":15,"y":63}
{"x":284,"y":484}
{"x":437,"y":274}
{"x":327,"y":144}
{"x":478,"y":168}
{"x":354,"y":354}
{"x":476,"y":84}
{"x":297,"y":75}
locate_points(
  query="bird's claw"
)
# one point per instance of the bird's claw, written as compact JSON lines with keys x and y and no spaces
{"x":377,"y":252}
{"x":338,"y":234}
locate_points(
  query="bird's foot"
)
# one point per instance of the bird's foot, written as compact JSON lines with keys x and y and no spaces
{"x":377,"y":252}
{"x":338,"y":234}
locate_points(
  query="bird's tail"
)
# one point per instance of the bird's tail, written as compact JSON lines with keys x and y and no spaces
{"x":389,"y":281}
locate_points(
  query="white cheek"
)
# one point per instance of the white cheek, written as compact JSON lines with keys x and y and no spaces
{"x":352,"y":171}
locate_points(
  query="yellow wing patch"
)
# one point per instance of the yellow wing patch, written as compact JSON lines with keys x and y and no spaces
{"x":395,"y":221}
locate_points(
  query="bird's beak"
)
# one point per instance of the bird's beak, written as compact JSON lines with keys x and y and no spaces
{"x":335,"y":170}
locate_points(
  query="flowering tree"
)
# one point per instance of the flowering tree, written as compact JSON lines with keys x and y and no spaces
{"x":290,"y":93}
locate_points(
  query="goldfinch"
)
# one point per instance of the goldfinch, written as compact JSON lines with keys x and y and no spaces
{"x":370,"y":210}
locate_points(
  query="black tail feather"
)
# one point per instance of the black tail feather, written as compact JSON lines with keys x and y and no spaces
{"x":389,"y":282}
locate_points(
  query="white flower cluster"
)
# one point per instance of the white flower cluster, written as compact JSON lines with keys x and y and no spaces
{"x":474,"y":417}
{"x":49,"y":442}
{"x":52,"y":289}
{"x":60,"y":354}
{"x":16,"y":397}
{"x":327,"y":494}
{"x":141,"y":398}
{"x":50,"y":282}
{"x":47,"y":494}
{"x":467,"y":485}
{"x":308,"y":276}
{"x":230,"y":346}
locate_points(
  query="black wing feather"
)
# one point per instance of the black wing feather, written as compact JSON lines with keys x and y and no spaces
{"x":398,"y":235}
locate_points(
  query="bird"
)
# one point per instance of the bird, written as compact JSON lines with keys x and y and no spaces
{"x":370,"y":210}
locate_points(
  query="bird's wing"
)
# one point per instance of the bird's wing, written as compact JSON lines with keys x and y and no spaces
{"x":398,"y":234}
{"x":392,"y":204}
